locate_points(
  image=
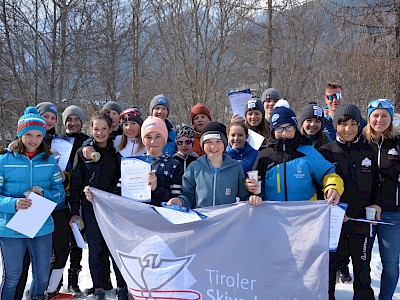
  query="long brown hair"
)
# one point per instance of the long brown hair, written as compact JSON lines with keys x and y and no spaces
{"x":19,"y":147}
{"x":320,"y":137}
{"x":124,"y":140}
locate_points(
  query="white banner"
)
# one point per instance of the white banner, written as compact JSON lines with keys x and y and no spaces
{"x":278,"y":250}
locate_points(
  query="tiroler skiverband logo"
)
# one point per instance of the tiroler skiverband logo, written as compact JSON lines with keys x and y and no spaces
{"x":158,"y":274}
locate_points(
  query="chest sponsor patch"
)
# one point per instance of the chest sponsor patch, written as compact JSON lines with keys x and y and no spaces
{"x":366,"y":165}
{"x":299,"y":174}
{"x":393,"y":154}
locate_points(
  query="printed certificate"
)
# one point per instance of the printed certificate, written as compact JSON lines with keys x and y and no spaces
{"x":134,"y":173}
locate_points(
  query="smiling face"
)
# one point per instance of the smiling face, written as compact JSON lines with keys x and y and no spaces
{"x":160,"y":111}
{"x":50,"y":119}
{"x":380,"y":120}
{"x":237,"y":136}
{"x":73,"y":124}
{"x":32,"y":140}
{"x":347,"y":131}
{"x":101,"y":131}
{"x":131,"y":129}
{"x":154,"y":143}
{"x":269,"y":107}
{"x":254,"y":118}
{"x":199,"y":121}
{"x":285,"y":131}
{"x":312,"y":126}
{"x":214,"y":148}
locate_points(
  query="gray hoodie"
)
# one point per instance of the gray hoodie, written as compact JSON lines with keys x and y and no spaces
{"x":202,"y":186}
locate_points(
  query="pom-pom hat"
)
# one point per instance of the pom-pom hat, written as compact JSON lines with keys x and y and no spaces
{"x":30,"y":120}
{"x":282,"y":115}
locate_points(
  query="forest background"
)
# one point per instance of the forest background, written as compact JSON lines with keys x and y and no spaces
{"x":88,"y":52}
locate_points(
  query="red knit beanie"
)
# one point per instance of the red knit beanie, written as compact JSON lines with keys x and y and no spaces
{"x":200,"y":108}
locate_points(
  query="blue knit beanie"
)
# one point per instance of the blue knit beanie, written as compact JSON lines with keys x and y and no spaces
{"x":381,"y":104}
{"x":31,"y":120}
{"x":282,"y":115}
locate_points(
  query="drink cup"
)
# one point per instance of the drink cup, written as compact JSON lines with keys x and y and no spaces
{"x":253,"y":174}
{"x":370,"y":212}
{"x":259,"y":187}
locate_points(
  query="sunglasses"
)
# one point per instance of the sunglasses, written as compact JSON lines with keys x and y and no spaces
{"x":381,"y":103}
{"x":336,"y":96}
{"x":186,"y":142}
{"x":281,"y":129}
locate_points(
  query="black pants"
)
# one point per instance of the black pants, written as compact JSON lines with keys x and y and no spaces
{"x":359,"y":249}
{"x":60,"y":239}
{"x":97,"y":249}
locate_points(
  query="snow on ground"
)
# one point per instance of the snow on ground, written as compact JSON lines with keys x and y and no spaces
{"x":343,"y":291}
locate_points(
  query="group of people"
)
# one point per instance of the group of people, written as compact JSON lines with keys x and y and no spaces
{"x":337,"y":156}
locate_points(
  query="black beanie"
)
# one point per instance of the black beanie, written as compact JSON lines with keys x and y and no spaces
{"x":254,"y":104}
{"x":311,"y":111}
{"x":347,"y":109}
{"x":213,"y":130}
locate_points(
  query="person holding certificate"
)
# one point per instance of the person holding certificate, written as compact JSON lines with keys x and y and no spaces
{"x":25,"y":167}
{"x":165,"y":179}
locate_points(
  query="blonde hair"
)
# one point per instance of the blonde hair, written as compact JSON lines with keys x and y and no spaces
{"x":370,"y":134}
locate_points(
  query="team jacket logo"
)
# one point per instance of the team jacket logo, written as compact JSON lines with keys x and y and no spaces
{"x":393,"y":154}
{"x":158,"y":274}
{"x":366,"y":165}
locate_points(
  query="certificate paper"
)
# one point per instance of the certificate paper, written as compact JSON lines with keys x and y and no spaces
{"x":63,"y":148}
{"x":238,"y":100}
{"x":337,"y":214}
{"x":179,"y":217}
{"x":29,"y":221}
{"x":78,"y":236}
{"x":134,"y":173}
{"x":255,"y":139}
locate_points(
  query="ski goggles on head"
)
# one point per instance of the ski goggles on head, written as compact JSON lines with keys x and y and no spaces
{"x":381,"y":103}
{"x":336,"y":96}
